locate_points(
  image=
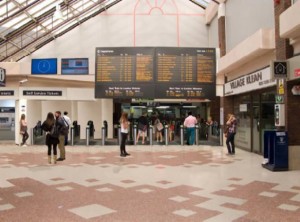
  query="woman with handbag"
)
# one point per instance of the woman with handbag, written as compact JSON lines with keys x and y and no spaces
{"x":23,"y":129}
{"x":51,"y":129}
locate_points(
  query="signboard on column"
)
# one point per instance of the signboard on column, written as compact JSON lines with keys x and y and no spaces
{"x":2,"y":77}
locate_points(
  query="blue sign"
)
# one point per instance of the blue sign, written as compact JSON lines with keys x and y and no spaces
{"x":44,"y":66}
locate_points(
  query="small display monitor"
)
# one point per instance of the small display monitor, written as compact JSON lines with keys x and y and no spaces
{"x":44,"y":66}
{"x":75,"y":66}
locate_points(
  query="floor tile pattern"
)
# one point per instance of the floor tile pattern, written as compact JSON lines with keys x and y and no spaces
{"x":159,"y":184}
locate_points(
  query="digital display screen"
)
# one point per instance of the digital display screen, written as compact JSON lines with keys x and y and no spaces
{"x":75,"y":66}
{"x":44,"y":66}
{"x":161,"y":72}
{"x":124,"y":72}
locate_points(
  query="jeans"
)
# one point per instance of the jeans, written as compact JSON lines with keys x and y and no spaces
{"x":230,"y":143}
{"x":190,"y":135}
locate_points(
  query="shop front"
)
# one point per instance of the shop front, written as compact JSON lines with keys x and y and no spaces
{"x":253,"y":99}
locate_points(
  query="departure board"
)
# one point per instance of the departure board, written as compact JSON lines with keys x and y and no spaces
{"x":124,"y":64}
{"x":185,"y":72}
{"x":161,"y":72}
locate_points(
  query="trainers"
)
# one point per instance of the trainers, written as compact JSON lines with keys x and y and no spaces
{"x":24,"y":145}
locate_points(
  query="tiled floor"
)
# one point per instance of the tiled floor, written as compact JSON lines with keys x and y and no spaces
{"x":158,"y":183}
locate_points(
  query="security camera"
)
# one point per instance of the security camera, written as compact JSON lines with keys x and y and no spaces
{"x":23,"y":81}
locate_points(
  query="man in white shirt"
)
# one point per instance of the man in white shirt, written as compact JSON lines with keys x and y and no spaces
{"x":68,"y":124}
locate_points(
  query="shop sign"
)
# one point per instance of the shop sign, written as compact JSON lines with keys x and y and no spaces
{"x":256,"y":80}
{"x":297,"y":72}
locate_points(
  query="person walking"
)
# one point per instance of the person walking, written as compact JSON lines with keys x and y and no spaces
{"x":231,"y":125}
{"x":51,"y":129}
{"x":62,"y":130}
{"x":124,"y":133}
{"x":68,"y":123}
{"x":190,"y":123}
{"x":23,"y":130}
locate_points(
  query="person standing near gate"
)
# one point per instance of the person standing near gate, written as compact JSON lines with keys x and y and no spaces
{"x":190,"y":124}
{"x":23,"y":130}
{"x":231,"y":131}
{"x":68,"y":123}
{"x":124,"y":133}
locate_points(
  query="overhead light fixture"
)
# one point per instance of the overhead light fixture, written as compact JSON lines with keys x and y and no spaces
{"x":58,"y":14}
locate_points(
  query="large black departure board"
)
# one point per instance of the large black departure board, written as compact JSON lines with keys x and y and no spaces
{"x":161,"y":72}
{"x":124,"y":72}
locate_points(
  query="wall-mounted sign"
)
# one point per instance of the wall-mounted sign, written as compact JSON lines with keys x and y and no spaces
{"x":256,"y":80}
{"x":42,"y":93}
{"x":243,"y":108}
{"x":7,"y":92}
{"x":297,"y":72}
{"x":296,"y":90}
{"x":281,"y":87}
{"x":279,"y":69}
{"x":279,"y":99}
{"x":2,"y":77}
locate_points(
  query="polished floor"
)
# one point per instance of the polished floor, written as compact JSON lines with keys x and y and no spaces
{"x":155,"y":183}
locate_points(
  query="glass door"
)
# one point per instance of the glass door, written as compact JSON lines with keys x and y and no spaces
{"x":256,"y":146}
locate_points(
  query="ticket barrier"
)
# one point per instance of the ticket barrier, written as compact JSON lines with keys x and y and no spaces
{"x":181,"y":135}
{"x":88,"y":135}
{"x":151,"y":135}
{"x":134,"y":134}
{"x":103,"y":134}
{"x":197,"y":135}
{"x":166,"y":135}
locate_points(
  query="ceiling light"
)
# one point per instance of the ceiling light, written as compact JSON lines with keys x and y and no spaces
{"x":58,"y":14}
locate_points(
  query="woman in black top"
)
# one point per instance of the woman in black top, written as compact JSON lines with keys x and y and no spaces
{"x":51,"y":130}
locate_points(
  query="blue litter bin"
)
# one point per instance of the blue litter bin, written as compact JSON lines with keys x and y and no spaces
{"x":276,"y":150}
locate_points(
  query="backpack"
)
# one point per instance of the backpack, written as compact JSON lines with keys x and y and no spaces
{"x":54,"y":131}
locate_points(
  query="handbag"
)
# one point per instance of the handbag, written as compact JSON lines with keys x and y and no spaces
{"x":159,"y":126}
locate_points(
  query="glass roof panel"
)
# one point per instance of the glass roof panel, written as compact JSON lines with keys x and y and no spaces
{"x":204,"y":3}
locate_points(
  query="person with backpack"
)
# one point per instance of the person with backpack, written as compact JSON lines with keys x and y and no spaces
{"x":63,"y":131}
{"x":50,"y":127}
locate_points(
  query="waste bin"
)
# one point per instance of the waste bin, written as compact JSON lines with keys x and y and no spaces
{"x":276,"y":150}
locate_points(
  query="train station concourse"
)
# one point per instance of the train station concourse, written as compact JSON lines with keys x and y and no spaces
{"x":159,"y":110}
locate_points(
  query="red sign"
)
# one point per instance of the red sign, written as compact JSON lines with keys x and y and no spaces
{"x":297,"y":72}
